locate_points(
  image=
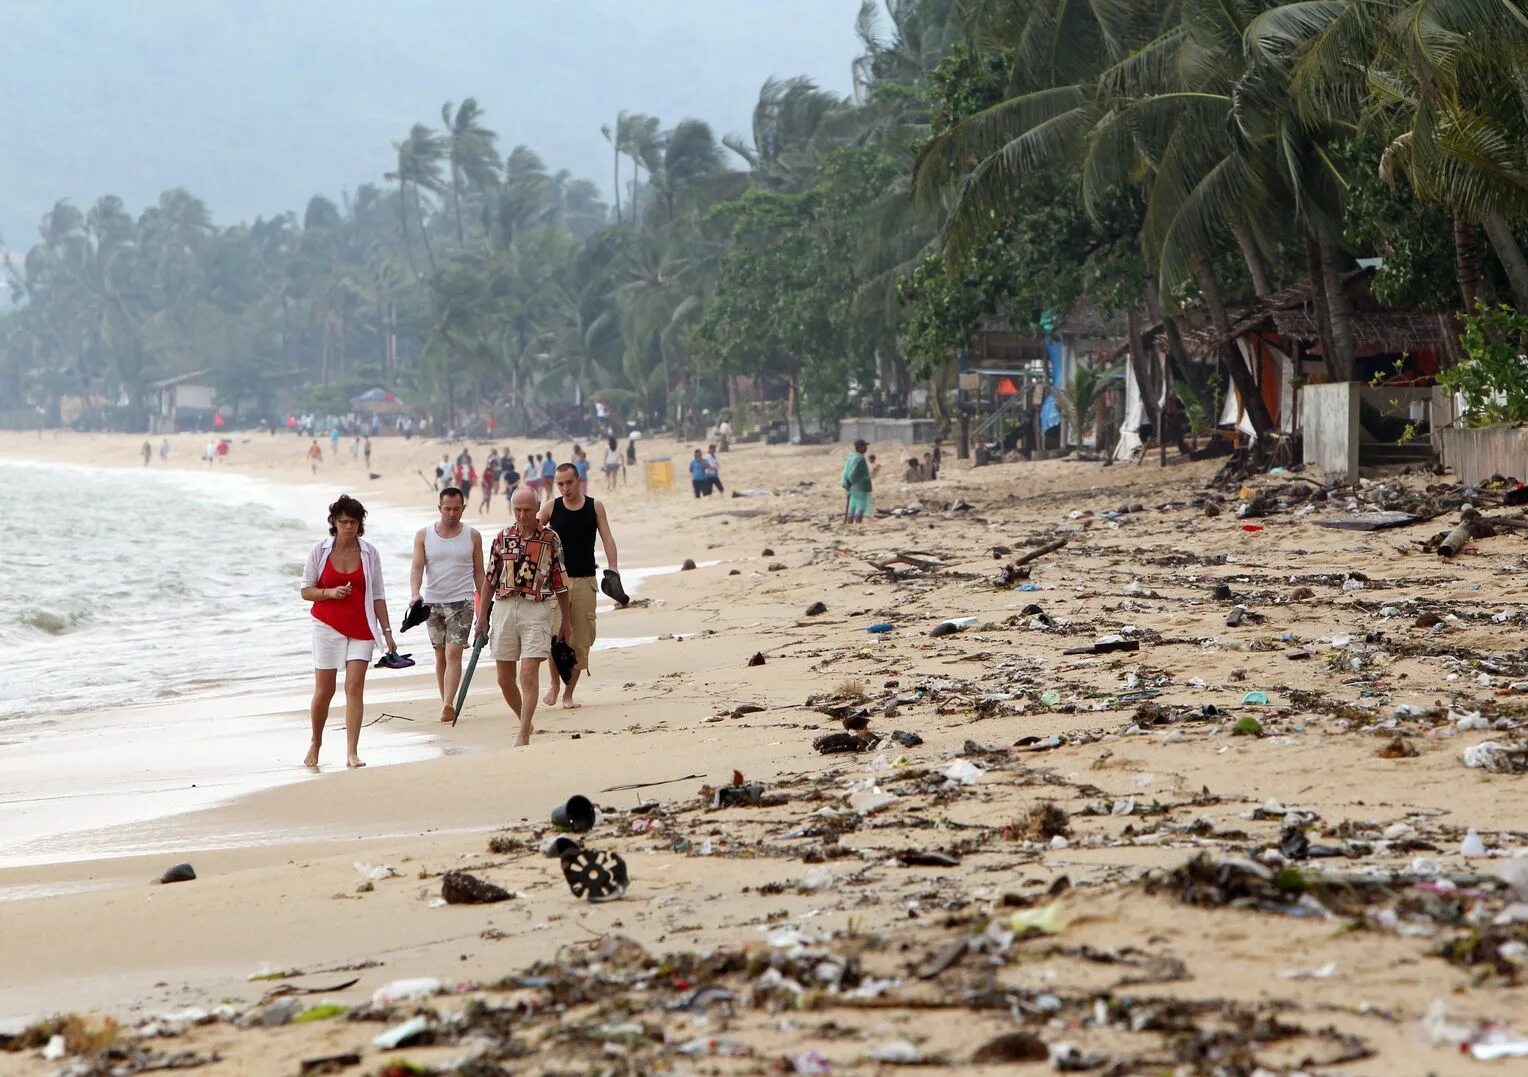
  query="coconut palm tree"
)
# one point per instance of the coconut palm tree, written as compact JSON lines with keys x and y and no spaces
{"x":419,"y":166}
{"x":469,"y":151}
{"x":1441,"y":80}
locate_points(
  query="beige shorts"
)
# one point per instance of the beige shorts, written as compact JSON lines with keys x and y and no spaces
{"x":581,"y":595}
{"x":521,"y":629}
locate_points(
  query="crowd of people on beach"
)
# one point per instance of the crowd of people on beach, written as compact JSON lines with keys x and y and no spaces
{"x":467,"y":593}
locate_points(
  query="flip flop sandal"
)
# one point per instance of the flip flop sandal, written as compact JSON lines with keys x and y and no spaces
{"x":394,"y":660}
{"x":599,"y":876}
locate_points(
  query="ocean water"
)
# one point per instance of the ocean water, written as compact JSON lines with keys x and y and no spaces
{"x":157,"y":656}
{"x":123,"y":587}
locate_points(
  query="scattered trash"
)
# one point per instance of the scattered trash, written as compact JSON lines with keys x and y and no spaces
{"x":409,"y":1032}
{"x":816,"y":608}
{"x":1256,"y":698}
{"x":906,"y":739}
{"x":599,"y":876}
{"x":884,"y":626}
{"x":1050,"y":919}
{"x":1012,"y":1047}
{"x":410,"y":990}
{"x":459,"y":888}
{"x":575,"y":814}
{"x":180,"y":873}
{"x":688,"y":565}
{"x":757,"y":659}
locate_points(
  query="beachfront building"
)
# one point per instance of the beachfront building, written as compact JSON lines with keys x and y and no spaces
{"x":184,"y":402}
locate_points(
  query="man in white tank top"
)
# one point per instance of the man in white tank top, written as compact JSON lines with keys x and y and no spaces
{"x":447,"y":572}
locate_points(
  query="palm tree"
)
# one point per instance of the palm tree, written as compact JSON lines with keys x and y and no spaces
{"x":1441,"y":79}
{"x":419,"y":166}
{"x":469,"y":148}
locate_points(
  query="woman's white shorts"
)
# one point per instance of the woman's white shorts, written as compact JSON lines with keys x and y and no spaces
{"x":331,"y":650}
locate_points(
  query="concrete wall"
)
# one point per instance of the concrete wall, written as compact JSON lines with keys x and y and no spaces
{"x":1329,"y":420}
{"x":901,"y":431}
{"x":1475,"y":455}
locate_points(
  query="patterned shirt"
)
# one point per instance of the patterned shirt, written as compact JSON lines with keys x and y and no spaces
{"x":530,"y":566}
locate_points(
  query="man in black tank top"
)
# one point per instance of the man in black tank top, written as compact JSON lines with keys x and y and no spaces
{"x":577,"y":518}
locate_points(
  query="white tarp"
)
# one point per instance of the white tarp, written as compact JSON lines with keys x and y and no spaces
{"x":1232,"y":412}
{"x":1135,"y":414}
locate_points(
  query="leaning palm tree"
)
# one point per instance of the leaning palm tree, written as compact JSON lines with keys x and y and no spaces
{"x":469,"y":151}
{"x":1441,"y":80}
{"x":419,"y":166}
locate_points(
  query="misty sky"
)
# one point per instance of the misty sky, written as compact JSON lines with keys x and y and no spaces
{"x":255,"y":105}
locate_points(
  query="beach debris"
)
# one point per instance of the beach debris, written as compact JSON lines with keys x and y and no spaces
{"x":927,"y":858}
{"x":743,"y":795}
{"x":906,"y":739}
{"x":757,"y":659}
{"x":1369,"y":521}
{"x":576,"y":814}
{"x":1045,"y":821}
{"x":688,"y":566}
{"x":460,"y":888}
{"x":180,"y":873}
{"x":1398,"y":747}
{"x":556,"y":846}
{"x":1497,"y":757}
{"x":1049,"y":919}
{"x":406,"y":990}
{"x":599,"y":876}
{"x":1108,"y":645}
{"x":1465,"y":531}
{"x":1012,"y":1047}
{"x":774,"y":566}
{"x":767,"y":552}
{"x":324,"y":1064}
{"x":816,"y":608}
{"x":952,"y":626}
{"x":414,"y":1031}
{"x":1016,"y":572}
{"x":895,"y":1052}
{"x":861,"y":741}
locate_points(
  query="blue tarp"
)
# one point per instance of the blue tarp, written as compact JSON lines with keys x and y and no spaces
{"x":1050,"y":414}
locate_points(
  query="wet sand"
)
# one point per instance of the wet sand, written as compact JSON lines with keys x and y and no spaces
{"x":1144,"y":789}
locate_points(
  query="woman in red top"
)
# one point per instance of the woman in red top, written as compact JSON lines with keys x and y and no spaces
{"x":343,"y":580}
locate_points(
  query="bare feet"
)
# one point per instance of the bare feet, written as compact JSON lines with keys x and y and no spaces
{"x":550,"y":699}
{"x":354,"y":761}
{"x":525,"y":737}
{"x":311,"y":762}
{"x":448,"y":713}
{"x":569,"y":705}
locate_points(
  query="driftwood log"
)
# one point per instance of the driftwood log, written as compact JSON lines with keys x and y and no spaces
{"x":1470,"y":526}
{"x":920,"y":559}
{"x":1014,"y":571}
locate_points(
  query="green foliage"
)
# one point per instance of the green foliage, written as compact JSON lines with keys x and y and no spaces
{"x":1412,"y":236}
{"x":1492,"y":374}
{"x":782,"y":305}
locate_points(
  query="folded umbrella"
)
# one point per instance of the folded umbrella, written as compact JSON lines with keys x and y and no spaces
{"x":477,"y":649}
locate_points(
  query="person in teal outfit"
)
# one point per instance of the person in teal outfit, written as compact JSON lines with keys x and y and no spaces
{"x":856,"y":480}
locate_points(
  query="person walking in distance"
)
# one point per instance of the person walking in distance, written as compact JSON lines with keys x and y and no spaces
{"x":612,"y":464}
{"x":446,"y":573}
{"x":525,"y":576}
{"x":577,"y":518}
{"x":857,"y":483}
{"x":714,"y":470}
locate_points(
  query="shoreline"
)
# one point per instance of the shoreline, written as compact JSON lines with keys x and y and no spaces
{"x":1144,"y":777}
{"x":239,"y":721}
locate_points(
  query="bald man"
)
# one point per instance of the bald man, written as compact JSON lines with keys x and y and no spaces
{"x":525,"y":575}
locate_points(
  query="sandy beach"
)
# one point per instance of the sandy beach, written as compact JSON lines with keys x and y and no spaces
{"x":1211,"y":739}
